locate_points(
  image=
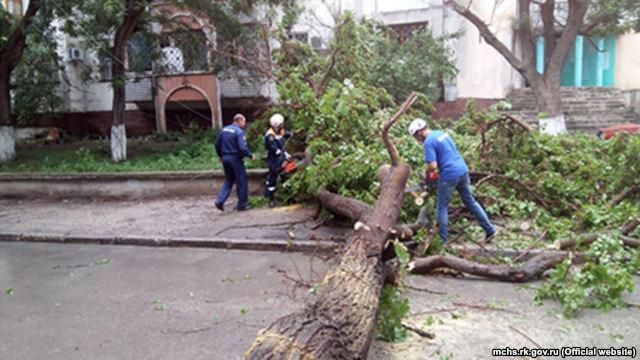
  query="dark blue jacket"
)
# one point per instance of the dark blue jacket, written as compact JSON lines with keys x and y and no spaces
{"x":231,"y":142}
{"x":274,"y":144}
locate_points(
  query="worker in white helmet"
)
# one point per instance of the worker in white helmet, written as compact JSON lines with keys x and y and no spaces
{"x":274,"y":141}
{"x":446,"y":167}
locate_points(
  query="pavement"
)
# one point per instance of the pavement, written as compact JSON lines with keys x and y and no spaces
{"x":68,"y":301}
{"x":186,"y":221}
{"x":81,"y":301}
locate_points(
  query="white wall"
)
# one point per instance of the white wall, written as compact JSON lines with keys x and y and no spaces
{"x":483,"y":72}
{"x":627,"y":70}
{"x":79,"y":96}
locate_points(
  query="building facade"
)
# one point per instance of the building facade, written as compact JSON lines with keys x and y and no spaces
{"x":172,"y":83}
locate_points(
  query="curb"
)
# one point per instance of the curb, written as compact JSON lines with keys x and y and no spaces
{"x":120,"y":185}
{"x":304,"y":246}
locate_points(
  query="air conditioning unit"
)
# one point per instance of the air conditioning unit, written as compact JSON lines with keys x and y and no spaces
{"x":74,"y":54}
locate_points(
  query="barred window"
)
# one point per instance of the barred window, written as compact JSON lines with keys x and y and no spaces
{"x":139,"y":51}
{"x":403,"y":32}
{"x":106,"y":68}
{"x":184,"y":51}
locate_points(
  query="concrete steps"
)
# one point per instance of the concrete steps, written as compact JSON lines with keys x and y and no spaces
{"x":587,"y":108}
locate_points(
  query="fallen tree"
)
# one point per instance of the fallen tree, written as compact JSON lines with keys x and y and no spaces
{"x":341,"y":323}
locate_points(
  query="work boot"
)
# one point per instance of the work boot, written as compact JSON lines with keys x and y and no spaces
{"x":219,"y":206}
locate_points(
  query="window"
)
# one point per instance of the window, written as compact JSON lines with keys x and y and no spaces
{"x":184,"y":50}
{"x":14,"y":7}
{"x":106,"y":68}
{"x":403,"y":32}
{"x":302,"y":37}
{"x":139,"y":51}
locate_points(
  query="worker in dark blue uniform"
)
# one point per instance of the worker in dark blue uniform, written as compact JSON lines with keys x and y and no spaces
{"x":274,"y":141}
{"x":231,"y":148}
{"x":447,"y":168}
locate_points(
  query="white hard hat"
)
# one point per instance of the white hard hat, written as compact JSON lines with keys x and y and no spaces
{"x":276,"y":120}
{"x":417,"y":125}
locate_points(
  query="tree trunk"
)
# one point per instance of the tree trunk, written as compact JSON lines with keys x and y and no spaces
{"x":341,"y":323}
{"x":7,"y":137}
{"x":10,"y":55}
{"x":134,"y":11}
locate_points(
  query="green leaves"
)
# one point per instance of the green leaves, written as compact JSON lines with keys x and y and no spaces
{"x":599,"y":283}
{"x":393,"y":309}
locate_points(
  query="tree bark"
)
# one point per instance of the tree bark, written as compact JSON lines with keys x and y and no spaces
{"x":133,"y":13}
{"x":547,"y":11}
{"x":342,"y":205}
{"x":10,"y":55}
{"x":341,"y":323}
{"x":530,"y":270}
{"x":7,"y":135}
{"x":5,"y":95}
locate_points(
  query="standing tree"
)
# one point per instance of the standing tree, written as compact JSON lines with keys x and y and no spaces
{"x":559,"y":29}
{"x":13,"y":35}
{"x":132,"y":15}
{"x":110,"y":24}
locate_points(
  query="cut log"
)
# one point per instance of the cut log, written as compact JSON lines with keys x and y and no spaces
{"x":589,"y":238}
{"x":528,"y":271}
{"x":630,"y":226}
{"x":342,"y":205}
{"x":341,"y":323}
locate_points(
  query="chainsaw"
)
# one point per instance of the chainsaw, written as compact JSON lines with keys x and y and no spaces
{"x":421,"y":191}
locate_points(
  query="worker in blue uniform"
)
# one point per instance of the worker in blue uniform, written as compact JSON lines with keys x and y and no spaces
{"x":232,"y":148}
{"x":274,"y":140}
{"x":446,"y":167}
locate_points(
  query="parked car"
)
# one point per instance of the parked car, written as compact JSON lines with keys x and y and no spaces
{"x":608,"y":132}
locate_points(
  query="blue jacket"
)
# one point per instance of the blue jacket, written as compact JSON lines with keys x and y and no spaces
{"x":231,"y":142}
{"x":439,"y":147}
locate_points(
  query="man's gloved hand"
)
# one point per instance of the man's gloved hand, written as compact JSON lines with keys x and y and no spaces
{"x":278,"y":152}
{"x":430,"y":179}
{"x":287,"y":135}
{"x":287,"y":156}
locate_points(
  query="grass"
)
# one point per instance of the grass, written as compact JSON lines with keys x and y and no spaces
{"x":173,"y":152}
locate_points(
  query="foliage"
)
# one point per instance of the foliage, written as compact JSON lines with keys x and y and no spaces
{"x":36,"y":78}
{"x":613,"y":17}
{"x":420,"y":64}
{"x":598,"y":284}
{"x":337,"y":112}
{"x":393,"y":309}
{"x":578,"y":184}
{"x":174,"y":152}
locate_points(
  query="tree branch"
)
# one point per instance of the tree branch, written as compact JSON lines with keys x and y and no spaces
{"x":14,"y":48}
{"x":393,"y":152}
{"x":577,"y":11}
{"x":530,"y":270}
{"x":548,"y":9}
{"x":488,"y":36}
